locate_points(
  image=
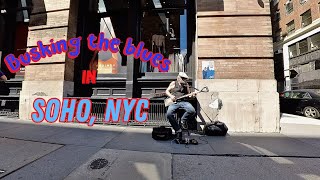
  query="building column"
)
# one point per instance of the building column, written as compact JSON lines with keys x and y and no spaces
{"x":236,"y":36}
{"x":132,"y":90}
{"x":51,"y":77}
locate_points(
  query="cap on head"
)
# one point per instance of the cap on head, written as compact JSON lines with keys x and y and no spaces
{"x":183,"y":75}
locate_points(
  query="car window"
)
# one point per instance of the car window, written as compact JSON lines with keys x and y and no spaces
{"x":298,"y":95}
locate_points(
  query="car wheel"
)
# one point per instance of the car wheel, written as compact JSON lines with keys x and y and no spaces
{"x":311,"y":112}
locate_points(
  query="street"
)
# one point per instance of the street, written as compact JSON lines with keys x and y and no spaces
{"x":74,"y":151}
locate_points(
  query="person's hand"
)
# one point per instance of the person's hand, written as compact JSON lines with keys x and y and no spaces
{"x":3,"y":78}
{"x":173,"y":98}
{"x":193,"y":95}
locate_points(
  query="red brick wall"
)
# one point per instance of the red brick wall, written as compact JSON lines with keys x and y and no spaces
{"x":241,"y":68}
{"x":298,"y":9}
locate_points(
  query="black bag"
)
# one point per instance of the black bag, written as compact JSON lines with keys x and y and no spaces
{"x":161,"y":133}
{"x":216,"y":128}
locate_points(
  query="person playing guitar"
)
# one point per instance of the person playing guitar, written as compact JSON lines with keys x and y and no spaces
{"x":176,"y":90}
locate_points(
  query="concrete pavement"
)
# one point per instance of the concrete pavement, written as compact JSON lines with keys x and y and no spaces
{"x":75,"y":151}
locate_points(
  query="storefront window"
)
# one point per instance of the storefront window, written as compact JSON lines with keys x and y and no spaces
{"x":113,"y":23}
{"x":14,"y":23}
{"x":315,"y":41}
{"x":108,"y":62}
{"x":163,"y":27}
{"x":303,"y":46}
{"x":293,"y":51}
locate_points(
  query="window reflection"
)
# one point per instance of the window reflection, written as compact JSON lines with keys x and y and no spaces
{"x":113,"y":26}
{"x":164,"y":30}
{"x":108,"y":62}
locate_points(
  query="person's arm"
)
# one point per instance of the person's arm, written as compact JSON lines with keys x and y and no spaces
{"x":3,"y":76}
{"x":188,"y":88}
{"x":189,"y":91}
{"x":170,"y":87}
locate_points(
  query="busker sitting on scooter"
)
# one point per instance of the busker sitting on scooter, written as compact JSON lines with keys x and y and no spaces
{"x":177,"y":89}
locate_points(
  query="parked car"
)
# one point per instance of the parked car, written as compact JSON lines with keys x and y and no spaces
{"x":305,"y":102}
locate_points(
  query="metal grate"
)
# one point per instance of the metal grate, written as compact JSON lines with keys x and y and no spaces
{"x":98,"y":163}
{"x":98,"y":109}
{"x":156,"y":114}
{"x":9,"y":108}
{"x":9,"y":114}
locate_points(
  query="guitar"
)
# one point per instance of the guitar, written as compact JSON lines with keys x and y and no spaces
{"x":169,"y":101}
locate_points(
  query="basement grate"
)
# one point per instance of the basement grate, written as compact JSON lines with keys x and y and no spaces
{"x":98,"y":163}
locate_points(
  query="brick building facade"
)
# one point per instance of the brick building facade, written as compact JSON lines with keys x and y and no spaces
{"x":297,"y":42}
{"x":232,"y":37}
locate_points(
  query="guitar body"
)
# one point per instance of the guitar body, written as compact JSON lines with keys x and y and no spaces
{"x":168,"y":102}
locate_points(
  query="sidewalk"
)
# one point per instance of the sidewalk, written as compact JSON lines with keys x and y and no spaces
{"x":73,"y":151}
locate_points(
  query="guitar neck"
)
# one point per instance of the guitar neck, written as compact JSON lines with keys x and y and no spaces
{"x":186,"y":95}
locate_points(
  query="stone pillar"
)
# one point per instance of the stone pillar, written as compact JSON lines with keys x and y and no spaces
{"x":237,"y":36}
{"x":50,"y":77}
{"x":133,"y":65}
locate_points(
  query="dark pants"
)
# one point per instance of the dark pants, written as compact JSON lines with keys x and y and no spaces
{"x":188,"y":114}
